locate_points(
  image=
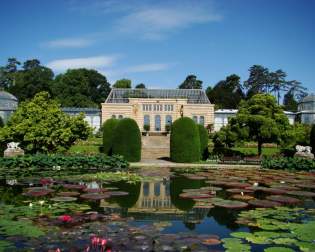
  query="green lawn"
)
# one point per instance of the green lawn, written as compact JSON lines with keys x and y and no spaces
{"x":267,"y":151}
{"x":89,"y":147}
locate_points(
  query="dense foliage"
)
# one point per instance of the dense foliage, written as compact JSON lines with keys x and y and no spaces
{"x":127,"y":140}
{"x":312,"y":138}
{"x":108,"y":133}
{"x":259,"y":119}
{"x":33,"y":78}
{"x":185,"y":142}
{"x":191,"y":82}
{"x":226,"y":94}
{"x":40,"y":126}
{"x":80,"y":88}
{"x":55,"y":165}
{"x":288,"y":163}
{"x":203,"y":138}
{"x":123,"y":83}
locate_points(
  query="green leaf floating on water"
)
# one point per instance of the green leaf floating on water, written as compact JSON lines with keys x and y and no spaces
{"x":278,"y":249}
{"x":235,"y":245}
{"x":20,"y":227}
{"x":305,"y":231}
{"x":6,"y":245}
{"x":306,"y":246}
{"x":284,"y":241}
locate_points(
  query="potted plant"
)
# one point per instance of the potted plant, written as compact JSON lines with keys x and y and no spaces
{"x":146,"y":127}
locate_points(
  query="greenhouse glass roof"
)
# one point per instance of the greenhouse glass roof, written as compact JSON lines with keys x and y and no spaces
{"x":122,"y":95}
{"x":7,"y":101}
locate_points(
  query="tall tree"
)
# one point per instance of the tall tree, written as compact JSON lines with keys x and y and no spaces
{"x":7,"y":73}
{"x":122,"y":83}
{"x":191,"y":82}
{"x":258,"y":81}
{"x":278,"y":83}
{"x":140,"y":85}
{"x":262,"y":120}
{"x":32,"y":79}
{"x":226,"y":94}
{"x":296,"y":88}
{"x":80,"y":88}
{"x":289,"y":102}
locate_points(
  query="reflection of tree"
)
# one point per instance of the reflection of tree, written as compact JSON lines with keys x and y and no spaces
{"x":177,"y":185}
{"x":225,"y":216}
{"x":190,"y":225}
{"x":129,"y":200}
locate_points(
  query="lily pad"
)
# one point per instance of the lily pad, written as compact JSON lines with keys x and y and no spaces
{"x":278,"y":249}
{"x":118,"y":193}
{"x":235,"y":245}
{"x":37,"y":191}
{"x":239,"y":190}
{"x":233,"y":204}
{"x":301,"y":193}
{"x":242,"y":197}
{"x":283,"y":199}
{"x":63,"y":199}
{"x":194,"y":195}
{"x":263,"y":203}
{"x":68,"y":194}
{"x":211,"y":241}
{"x":74,"y":186}
{"x":94,"y":196}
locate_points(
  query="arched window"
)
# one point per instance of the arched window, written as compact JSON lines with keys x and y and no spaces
{"x":202,"y":120}
{"x":157,"y":123}
{"x":114,"y":116}
{"x":120,"y":117}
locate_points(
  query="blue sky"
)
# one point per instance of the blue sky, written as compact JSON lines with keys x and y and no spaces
{"x":160,"y":42}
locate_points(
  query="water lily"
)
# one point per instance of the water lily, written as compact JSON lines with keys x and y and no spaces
{"x":41,"y":202}
{"x":255,"y":184}
{"x":65,"y":218}
{"x":30,"y":205}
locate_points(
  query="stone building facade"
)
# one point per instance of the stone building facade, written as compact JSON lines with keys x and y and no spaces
{"x":158,"y":107}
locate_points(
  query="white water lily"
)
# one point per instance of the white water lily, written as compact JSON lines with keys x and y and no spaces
{"x":242,"y":193}
{"x":255,"y":184}
{"x":282,"y":182}
{"x":30,"y":205}
{"x":41,"y":202}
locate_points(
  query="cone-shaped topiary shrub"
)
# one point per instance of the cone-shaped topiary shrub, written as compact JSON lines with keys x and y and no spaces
{"x":203,"y":136}
{"x":127,"y":140}
{"x":108,"y":133}
{"x":312,"y":138}
{"x":185,"y":143}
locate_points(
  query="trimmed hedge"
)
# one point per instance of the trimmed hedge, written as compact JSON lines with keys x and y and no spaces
{"x":108,"y":132}
{"x":185,"y":142}
{"x":288,"y":163}
{"x":312,"y":138}
{"x":127,"y":140}
{"x":55,"y":165}
{"x":203,"y":138}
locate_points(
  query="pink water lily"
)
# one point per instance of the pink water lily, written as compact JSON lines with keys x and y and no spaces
{"x":65,"y":218}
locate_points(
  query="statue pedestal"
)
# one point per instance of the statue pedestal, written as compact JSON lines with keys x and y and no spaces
{"x":305,"y":155}
{"x":13,"y":152}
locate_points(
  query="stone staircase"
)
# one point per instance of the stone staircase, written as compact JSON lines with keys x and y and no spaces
{"x":155,"y":147}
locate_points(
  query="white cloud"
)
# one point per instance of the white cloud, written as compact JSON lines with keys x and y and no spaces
{"x":150,"y":19}
{"x":155,"y":22}
{"x":69,"y":43}
{"x":88,"y":62}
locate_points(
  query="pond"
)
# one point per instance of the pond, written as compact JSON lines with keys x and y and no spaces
{"x":209,"y":210}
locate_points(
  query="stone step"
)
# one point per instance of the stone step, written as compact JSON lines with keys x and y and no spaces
{"x":155,"y":147}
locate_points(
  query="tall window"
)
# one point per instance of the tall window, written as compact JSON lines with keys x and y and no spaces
{"x":120,"y":117}
{"x":168,"y":120}
{"x":202,"y":120}
{"x":158,"y":123}
{"x":114,"y":116}
{"x":195,"y":118}
{"x":146,"y":120}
